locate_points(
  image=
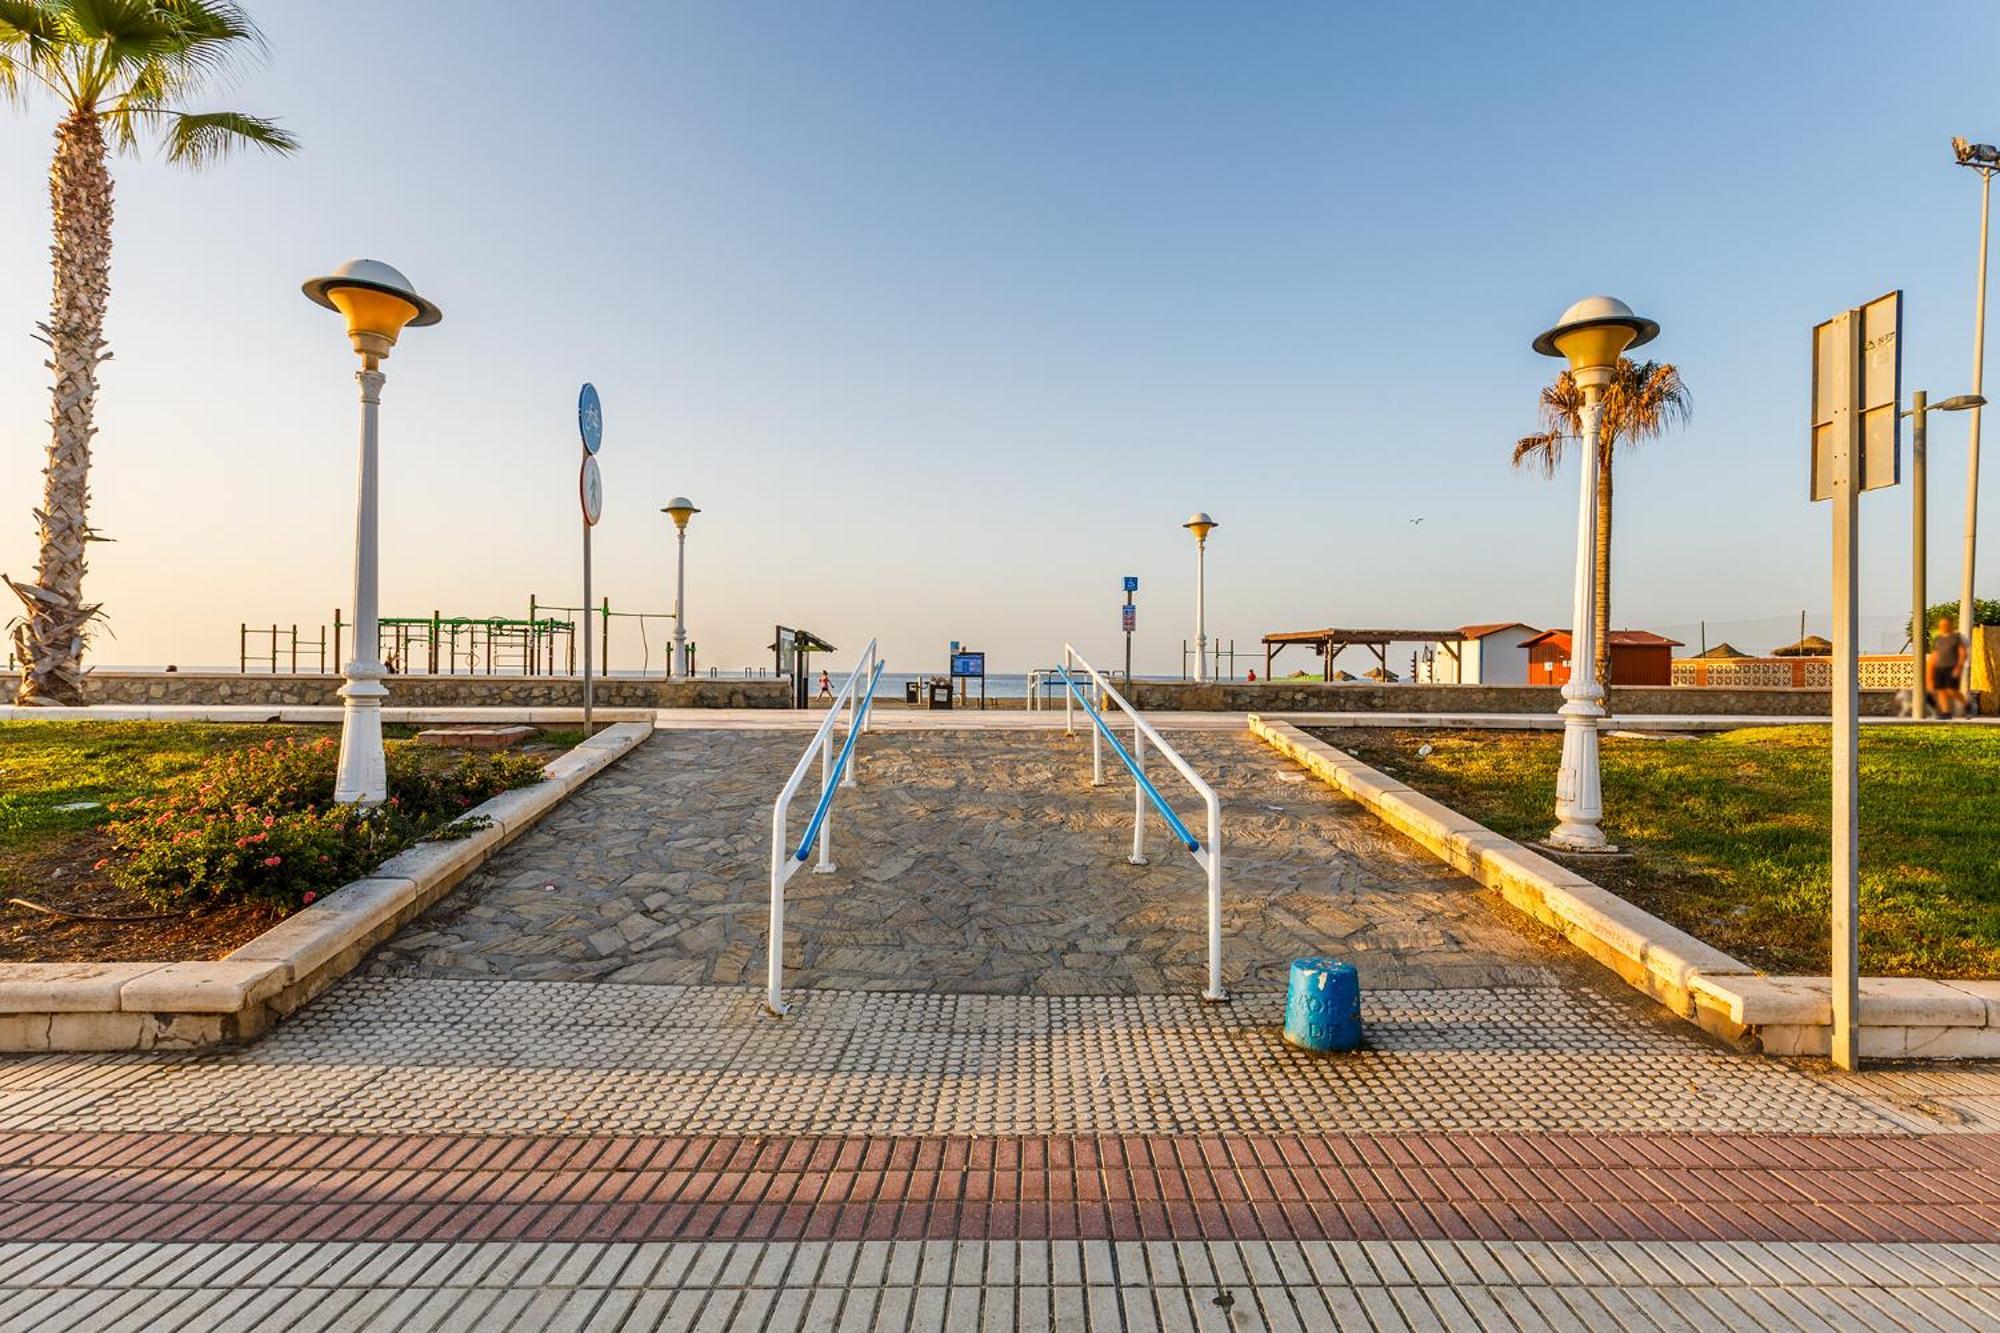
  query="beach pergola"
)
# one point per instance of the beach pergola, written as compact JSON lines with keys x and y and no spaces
{"x":1722,"y":652}
{"x":1812,"y":645}
{"x":1330,"y":643}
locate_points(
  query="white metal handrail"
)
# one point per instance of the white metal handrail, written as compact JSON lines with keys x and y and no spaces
{"x":1207,"y":855}
{"x":854,"y":697}
{"x":1038,"y":680}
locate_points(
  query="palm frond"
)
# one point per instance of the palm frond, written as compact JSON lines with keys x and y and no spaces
{"x":1541,"y":453}
{"x":199,"y":138}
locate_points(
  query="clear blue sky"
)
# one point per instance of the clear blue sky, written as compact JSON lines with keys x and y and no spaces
{"x":948,"y":315}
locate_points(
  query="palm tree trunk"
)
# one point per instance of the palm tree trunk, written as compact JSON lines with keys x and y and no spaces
{"x":1603,"y":575}
{"x":49,"y":639}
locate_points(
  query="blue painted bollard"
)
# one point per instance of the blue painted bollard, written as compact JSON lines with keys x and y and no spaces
{"x":1323,"y":1005}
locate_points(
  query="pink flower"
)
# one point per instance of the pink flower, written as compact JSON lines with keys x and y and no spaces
{"x":310,"y":895}
{"x":270,"y":821}
{"x":101,"y":864}
{"x":273,"y":860}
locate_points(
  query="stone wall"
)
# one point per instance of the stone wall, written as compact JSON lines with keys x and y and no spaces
{"x":203,"y":688}
{"x":1314,"y":696}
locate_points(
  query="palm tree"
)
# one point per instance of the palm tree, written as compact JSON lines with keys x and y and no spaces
{"x":1643,"y":399}
{"x":120,"y":70}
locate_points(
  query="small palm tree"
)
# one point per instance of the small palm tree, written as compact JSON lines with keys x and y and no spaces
{"x":1643,"y":399}
{"x":121,"y":71}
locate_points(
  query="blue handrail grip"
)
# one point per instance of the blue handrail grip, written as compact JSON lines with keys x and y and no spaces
{"x":839,"y":767}
{"x":1152,"y":792}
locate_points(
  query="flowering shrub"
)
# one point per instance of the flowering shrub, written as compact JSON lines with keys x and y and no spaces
{"x":259,"y":825}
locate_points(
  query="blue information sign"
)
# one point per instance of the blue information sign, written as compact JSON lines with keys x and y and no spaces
{"x":969,"y":664}
{"x":590,"y":419}
{"x":1131,"y":583}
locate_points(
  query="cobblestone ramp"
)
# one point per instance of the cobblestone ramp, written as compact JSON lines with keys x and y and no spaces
{"x":970,"y":862}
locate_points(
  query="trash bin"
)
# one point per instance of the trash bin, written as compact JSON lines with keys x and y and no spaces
{"x":1323,"y":1005}
{"x":941,"y":694}
{"x":913,"y":692}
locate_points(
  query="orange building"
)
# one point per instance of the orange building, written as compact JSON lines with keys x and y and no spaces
{"x":1638,"y":657}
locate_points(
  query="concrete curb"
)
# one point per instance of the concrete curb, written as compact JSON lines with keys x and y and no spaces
{"x":1901,"y":1017}
{"x":114,"y":1006}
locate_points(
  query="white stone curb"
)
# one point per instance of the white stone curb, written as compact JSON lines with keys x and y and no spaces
{"x":149,"y":1006}
{"x":1901,"y":1017}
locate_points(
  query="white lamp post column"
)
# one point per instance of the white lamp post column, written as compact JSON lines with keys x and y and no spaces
{"x":680,"y":509}
{"x":1200,"y":524}
{"x":1984,"y":159}
{"x":1592,"y":335}
{"x":1579,"y":791}
{"x":378,"y":302}
{"x":364,"y":774}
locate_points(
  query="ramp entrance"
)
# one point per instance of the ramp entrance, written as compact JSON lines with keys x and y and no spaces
{"x":1085,"y":687}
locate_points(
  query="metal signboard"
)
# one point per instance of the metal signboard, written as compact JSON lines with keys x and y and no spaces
{"x":968,"y":664}
{"x":590,"y":419}
{"x":1130,"y":617}
{"x":1876,"y":396}
{"x":590,"y":487}
{"x":1131,"y":583}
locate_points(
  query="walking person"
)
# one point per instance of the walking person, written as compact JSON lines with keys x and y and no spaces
{"x":1946,"y":670}
{"x":825,"y":686}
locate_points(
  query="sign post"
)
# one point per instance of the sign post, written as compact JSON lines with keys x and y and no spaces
{"x":966,"y":664}
{"x":1129,"y":618}
{"x":590,"y":491}
{"x":1856,"y":393}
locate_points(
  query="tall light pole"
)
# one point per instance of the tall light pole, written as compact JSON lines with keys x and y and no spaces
{"x":1592,"y":334}
{"x":378,"y":302}
{"x":680,"y":509}
{"x":1983,"y":158}
{"x":1200,"y":524}
{"x":1920,"y":409}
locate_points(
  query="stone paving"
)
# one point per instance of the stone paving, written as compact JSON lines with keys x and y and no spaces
{"x":383,"y":1055}
{"x":924,"y":1286}
{"x":971,"y":861}
{"x":556,"y":1101}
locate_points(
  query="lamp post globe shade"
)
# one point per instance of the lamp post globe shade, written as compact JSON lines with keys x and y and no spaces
{"x":1200,"y":524}
{"x":378,"y":301}
{"x":680,"y":509}
{"x":1595,"y":332}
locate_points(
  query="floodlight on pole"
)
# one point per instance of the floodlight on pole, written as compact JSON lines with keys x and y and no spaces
{"x":680,"y":509}
{"x":378,"y":303}
{"x":1591,"y":335}
{"x":1983,"y":158}
{"x":1920,"y":408}
{"x":1200,"y":524}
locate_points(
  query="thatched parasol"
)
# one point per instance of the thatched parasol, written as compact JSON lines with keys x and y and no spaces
{"x":1722,"y":652}
{"x":1812,"y":645}
{"x":1377,"y":673}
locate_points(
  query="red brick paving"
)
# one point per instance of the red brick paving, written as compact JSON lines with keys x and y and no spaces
{"x":1483,"y":1186}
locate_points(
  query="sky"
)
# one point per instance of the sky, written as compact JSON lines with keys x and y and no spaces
{"x":948,"y":315}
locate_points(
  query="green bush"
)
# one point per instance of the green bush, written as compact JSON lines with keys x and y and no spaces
{"x":259,"y":825}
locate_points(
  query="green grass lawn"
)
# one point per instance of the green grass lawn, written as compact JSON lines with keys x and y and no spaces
{"x":47,"y":765}
{"x":1729,"y":832}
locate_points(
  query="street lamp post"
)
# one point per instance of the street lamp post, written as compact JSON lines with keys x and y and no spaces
{"x":1200,"y":524}
{"x":680,"y":509}
{"x":1920,"y":409}
{"x":378,"y":303}
{"x":1983,"y":158}
{"x":1592,"y":335}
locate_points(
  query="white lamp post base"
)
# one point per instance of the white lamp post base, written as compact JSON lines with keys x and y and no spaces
{"x":364,"y":771}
